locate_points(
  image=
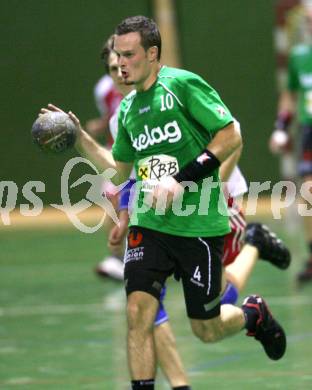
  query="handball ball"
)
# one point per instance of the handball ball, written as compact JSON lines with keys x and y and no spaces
{"x":54,"y":132}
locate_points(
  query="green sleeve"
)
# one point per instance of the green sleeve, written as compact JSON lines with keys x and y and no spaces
{"x":205,"y":105}
{"x":122,"y":147}
{"x":292,"y":77}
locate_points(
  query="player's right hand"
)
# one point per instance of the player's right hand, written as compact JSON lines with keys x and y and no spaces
{"x":73,"y":117}
{"x":280,"y":142}
{"x":164,"y":193}
{"x":116,"y":237}
{"x":51,"y":107}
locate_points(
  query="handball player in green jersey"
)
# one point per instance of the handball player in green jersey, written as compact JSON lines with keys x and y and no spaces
{"x":176,"y":131}
{"x":296,"y":101}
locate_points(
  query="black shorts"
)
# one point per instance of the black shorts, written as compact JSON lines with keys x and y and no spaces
{"x":305,"y":159}
{"x":152,"y":256}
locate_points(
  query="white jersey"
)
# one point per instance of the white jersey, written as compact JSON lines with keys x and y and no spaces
{"x":236,"y":185}
{"x":113,"y":124}
{"x":107,"y":98}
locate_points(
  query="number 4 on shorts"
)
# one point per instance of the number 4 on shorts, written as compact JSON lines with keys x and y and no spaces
{"x":197,"y":274}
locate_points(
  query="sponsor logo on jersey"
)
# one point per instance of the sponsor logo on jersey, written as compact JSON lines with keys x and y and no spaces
{"x":221,"y":111}
{"x":203,"y":158}
{"x":135,"y":254}
{"x":152,"y":169}
{"x":171,"y":133}
{"x":134,"y":239}
{"x":144,"y":109}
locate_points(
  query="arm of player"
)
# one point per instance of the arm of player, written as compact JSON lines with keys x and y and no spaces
{"x":226,"y":142}
{"x":280,"y":139}
{"x":287,"y":102}
{"x":97,"y":126}
{"x":222,"y":146}
{"x":229,"y":164}
{"x":118,"y":233}
{"x":101,"y":157}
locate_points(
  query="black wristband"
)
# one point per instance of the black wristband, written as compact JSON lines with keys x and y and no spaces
{"x":199,"y":168}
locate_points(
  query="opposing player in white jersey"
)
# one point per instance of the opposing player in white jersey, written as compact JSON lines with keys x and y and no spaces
{"x":108,"y":93}
{"x":107,"y":98}
{"x":246,"y":243}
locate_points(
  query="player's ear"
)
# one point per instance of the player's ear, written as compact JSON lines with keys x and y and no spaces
{"x":152,"y":53}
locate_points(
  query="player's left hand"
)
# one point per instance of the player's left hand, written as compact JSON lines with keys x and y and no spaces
{"x":164,"y":193}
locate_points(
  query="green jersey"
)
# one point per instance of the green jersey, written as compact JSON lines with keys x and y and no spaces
{"x":300,"y":80}
{"x":163,"y":129}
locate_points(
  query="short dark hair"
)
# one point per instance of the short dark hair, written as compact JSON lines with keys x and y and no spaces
{"x":106,"y":50}
{"x":147,"y":28}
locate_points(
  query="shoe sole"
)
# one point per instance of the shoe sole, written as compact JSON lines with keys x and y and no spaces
{"x":277,"y":348}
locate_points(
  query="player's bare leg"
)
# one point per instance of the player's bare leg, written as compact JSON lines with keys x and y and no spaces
{"x":239,"y":271}
{"x":230,"y":321}
{"x":141,"y":312}
{"x":254,"y":316}
{"x":261,"y":243}
{"x":168,"y":357}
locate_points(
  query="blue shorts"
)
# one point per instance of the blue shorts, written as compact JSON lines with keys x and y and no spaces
{"x":161,"y":315}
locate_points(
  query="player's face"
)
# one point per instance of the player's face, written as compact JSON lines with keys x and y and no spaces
{"x":135,"y":63}
{"x":115,"y":73}
{"x":113,"y":68}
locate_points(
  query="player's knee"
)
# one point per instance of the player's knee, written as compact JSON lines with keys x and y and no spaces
{"x":208,"y":331}
{"x":141,"y":311}
{"x":133,"y":312}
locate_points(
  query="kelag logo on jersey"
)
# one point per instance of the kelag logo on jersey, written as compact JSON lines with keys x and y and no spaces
{"x":152,"y":169}
{"x":171,"y":133}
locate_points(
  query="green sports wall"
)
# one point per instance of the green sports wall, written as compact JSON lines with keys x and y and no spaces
{"x":50,"y":53}
{"x":230,"y":43}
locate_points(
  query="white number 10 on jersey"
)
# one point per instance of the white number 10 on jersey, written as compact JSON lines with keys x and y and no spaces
{"x":166,"y":102}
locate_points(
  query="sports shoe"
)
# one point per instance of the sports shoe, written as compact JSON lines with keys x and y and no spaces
{"x":111,"y":267}
{"x":306,"y":274}
{"x":270,"y":247}
{"x":267,"y":330}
